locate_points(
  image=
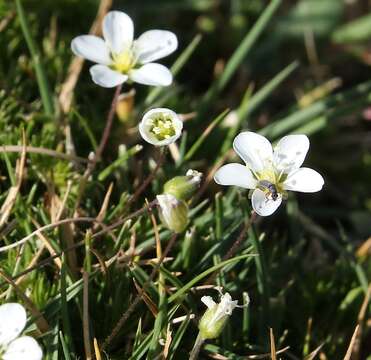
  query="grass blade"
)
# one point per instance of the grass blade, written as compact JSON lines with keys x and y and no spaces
{"x":178,"y":65}
{"x":241,"y":52}
{"x":201,"y":276}
{"x":42,"y":80}
{"x":204,"y":135}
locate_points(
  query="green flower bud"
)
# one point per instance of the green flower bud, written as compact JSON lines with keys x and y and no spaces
{"x":183,"y":187}
{"x":173,"y":212}
{"x":217,"y":315}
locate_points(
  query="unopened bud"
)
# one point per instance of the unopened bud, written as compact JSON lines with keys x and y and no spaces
{"x":173,"y":212}
{"x":184,"y":187}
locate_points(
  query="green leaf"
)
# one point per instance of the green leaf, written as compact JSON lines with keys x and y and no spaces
{"x":201,"y":276}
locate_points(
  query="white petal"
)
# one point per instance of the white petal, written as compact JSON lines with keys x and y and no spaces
{"x":304,"y":180}
{"x":226,"y":304}
{"x":208,"y":301}
{"x":152,"y":74}
{"x":23,"y":348}
{"x":12,"y":321}
{"x":235,"y":174}
{"x":254,"y":149}
{"x":92,"y":48}
{"x":262,"y":205}
{"x":290,"y":152}
{"x":104,"y":76}
{"x":118,"y":31}
{"x":155,"y":44}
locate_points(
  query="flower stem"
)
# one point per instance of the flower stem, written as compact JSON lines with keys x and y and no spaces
{"x":103,"y":142}
{"x":196,"y":347}
{"x":109,"y":122}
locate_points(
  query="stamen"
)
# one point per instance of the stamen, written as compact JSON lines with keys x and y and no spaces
{"x":162,"y":128}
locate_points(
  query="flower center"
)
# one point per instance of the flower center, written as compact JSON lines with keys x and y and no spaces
{"x":124,"y":61}
{"x":162,"y":127}
{"x":270,"y":181}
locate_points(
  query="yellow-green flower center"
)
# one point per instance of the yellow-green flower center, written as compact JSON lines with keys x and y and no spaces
{"x":162,"y":127}
{"x":124,"y":61}
{"x":270,"y":175}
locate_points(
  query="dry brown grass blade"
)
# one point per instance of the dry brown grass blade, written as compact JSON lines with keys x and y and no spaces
{"x":102,"y":263}
{"x":74,"y":70}
{"x":48,"y":245}
{"x":44,"y":228}
{"x":145,"y":297}
{"x":103,"y":209}
{"x":10,"y":200}
{"x":273,"y":345}
{"x":97,"y":350}
{"x":62,"y":205}
{"x":6,"y":20}
{"x":167,"y":342}
{"x":40,"y":321}
{"x":67,"y":232}
{"x":361,"y":322}
{"x":32,"y":263}
{"x":174,"y":152}
{"x":266,"y":356}
{"x":365,"y":249}
{"x":42,"y":151}
{"x":86,"y":331}
{"x":348,"y":355}
{"x":314,"y":353}
{"x":363,"y":310}
{"x":137,"y":300}
{"x":157,"y":234}
{"x":55,"y":208}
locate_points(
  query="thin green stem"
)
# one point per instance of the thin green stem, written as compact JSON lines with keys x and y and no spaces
{"x":42,"y":80}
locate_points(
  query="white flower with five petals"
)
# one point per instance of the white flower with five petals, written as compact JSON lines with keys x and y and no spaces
{"x":12,"y":346}
{"x":120,"y":58}
{"x":270,"y":173}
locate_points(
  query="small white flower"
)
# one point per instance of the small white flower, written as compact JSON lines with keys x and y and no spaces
{"x":160,"y":127}
{"x":119,"y":57}
{"x":12,"y":346}
{"x":270,"y":172}
{"x":214,"y":319}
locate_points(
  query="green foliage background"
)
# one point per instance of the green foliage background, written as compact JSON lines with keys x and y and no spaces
{"x":258,"y":59}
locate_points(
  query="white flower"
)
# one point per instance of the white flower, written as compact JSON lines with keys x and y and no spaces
{"x":12,"y":346}
{"x":119,"y":57}
{"x":214,"y":319}
{"x":270,"y":172}
{"x":160,"y":126}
